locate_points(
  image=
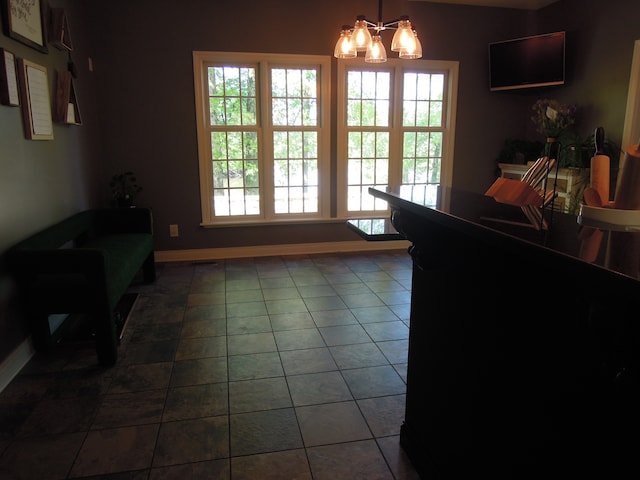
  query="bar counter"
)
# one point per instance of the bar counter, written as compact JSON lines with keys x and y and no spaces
{"x":522,"y":356}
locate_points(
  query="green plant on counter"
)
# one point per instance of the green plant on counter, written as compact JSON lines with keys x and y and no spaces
{"x":576,"y":151}
{"x":519,"y":151}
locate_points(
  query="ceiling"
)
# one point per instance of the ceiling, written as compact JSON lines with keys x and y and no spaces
{"x":521,"y":4}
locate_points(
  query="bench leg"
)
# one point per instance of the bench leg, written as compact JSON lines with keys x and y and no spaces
{"x":40,"y":331}
{"x":149,"y":268}
{"x":106,"y":343}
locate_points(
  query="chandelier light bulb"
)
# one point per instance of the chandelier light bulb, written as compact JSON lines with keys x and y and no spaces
{"x":376,"y":53}
{"x":361,"y":36}
{"x":416,"y":52}
{"x":403,"y":39}
{"x":345,"y":47}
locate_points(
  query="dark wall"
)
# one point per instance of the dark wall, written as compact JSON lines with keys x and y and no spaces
{"x":138,"y":104}
{"x":150,"y":116}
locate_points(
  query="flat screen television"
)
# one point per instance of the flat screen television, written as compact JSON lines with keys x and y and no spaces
{"x":527,"y":62}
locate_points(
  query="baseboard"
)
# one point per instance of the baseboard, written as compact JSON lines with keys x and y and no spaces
{"x":17,"y":359}
{"x":207,"y":254}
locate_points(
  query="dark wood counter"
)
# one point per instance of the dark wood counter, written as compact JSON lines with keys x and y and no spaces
{"x":523,"y":358}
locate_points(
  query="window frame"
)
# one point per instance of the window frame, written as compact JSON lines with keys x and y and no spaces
{"x":397,"y":68}
{"x":264,"y":128}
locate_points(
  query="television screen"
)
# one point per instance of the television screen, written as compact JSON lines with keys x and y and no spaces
{"x":527,"y":62}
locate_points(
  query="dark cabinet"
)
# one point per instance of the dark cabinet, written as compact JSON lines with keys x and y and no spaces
{"x":522,"y":358}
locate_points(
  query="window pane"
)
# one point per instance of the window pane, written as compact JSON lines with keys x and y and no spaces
{"x":294,"y":83}
{"x":281,"y":173}
{"x":233,"y":111}
{"x":368,"y":101}
{"x":280,"y":148}
{"x":310,"y":200}
{"x":220,"y":175}
{"x":310,"y":112}
{"x":278,"y":82}
{"x":354,"y":113}
{"x":216,"y":81}
{"x":294,"y":111}
{"x":421,"y":158}
{"x":435,"y":114}
{"x":437,"y":87}
{"x":295,"y":170}
{"x":368,"y":166}
{"x":355,"y":144}
{"x":235,"y":169}
{"x":279,"y":111}
{"x":251,"y":178}
{"x":294,"y":97}
{"x":310,"y":145}
{"x":310,"y":174}
{"x":232,"y":96}
{"x":422,"y":100}
{"x":216,"y":111}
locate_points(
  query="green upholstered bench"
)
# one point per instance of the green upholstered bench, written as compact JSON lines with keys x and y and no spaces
{"x":83,"y":264}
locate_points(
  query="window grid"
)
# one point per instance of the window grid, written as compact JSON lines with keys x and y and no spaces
{"x":232,"y":95}
{"x":236,"y":179}
{"x":263,"y":150}
{"x":422,"y":111}
{"x":368,"y":166}
{"x":415,"y":133}
{"x":294,"y":97}
{"x":295,"y":172}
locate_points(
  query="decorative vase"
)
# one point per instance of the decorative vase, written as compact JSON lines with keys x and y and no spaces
{"x":124,"y":202}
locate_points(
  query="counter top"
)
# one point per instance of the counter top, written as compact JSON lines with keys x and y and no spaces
{"x":489,"y":219}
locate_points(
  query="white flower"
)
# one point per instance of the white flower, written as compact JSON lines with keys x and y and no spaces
{"x":551,"y":113}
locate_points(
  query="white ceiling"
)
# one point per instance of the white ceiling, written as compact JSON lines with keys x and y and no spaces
{"x":521,"y":4}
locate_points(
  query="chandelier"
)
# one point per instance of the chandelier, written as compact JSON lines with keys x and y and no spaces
{"x":358,"y":38}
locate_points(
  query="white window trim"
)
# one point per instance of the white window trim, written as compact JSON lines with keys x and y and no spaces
{"x":450,"y":68}
{"x":265,"y":60}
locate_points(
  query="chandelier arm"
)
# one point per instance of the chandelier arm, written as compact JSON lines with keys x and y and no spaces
{"x":393,"y":24}
{"x":370,"y":25}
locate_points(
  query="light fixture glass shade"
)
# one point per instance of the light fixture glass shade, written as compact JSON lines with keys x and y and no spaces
{"x":376,"y":52}
{"x":361,"y":36}
{"x":403,"y":39}
{"x":345,"y":47}
{"x":408,"y":54}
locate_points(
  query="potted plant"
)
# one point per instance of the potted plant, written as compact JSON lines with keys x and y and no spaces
{"x":125,"y":189}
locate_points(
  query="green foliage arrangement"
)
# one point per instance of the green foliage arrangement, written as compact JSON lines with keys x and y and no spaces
{"x":551,"y":118}
{"x":124,"y":188}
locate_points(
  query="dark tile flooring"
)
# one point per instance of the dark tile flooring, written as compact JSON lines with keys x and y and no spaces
{"x":260,"y":368}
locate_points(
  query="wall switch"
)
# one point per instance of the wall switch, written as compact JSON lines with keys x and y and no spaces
{"x":173,"y":230}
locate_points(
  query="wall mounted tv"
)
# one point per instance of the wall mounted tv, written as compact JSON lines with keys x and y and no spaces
{"x":527,"y":62}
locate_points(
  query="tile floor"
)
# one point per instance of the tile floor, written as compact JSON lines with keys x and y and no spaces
{"x":262,"y":368}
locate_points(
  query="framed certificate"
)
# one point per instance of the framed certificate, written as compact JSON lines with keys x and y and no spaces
{"x":35,"y":100}
{"x":9,"y":94}
{"x":24,"y":22}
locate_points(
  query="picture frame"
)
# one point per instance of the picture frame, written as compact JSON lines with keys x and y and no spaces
{"x":24,"y":21}
{"x":35,"y":100}
{"x":9,"y":92}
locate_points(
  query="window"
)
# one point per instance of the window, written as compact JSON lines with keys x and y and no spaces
{"x":409,"y":148}
{"x":263,"y":136}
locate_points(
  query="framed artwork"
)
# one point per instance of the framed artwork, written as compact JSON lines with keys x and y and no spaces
{"x":9,"y":94}
{"x":35,"y":100}
{"x":24,"y":21}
